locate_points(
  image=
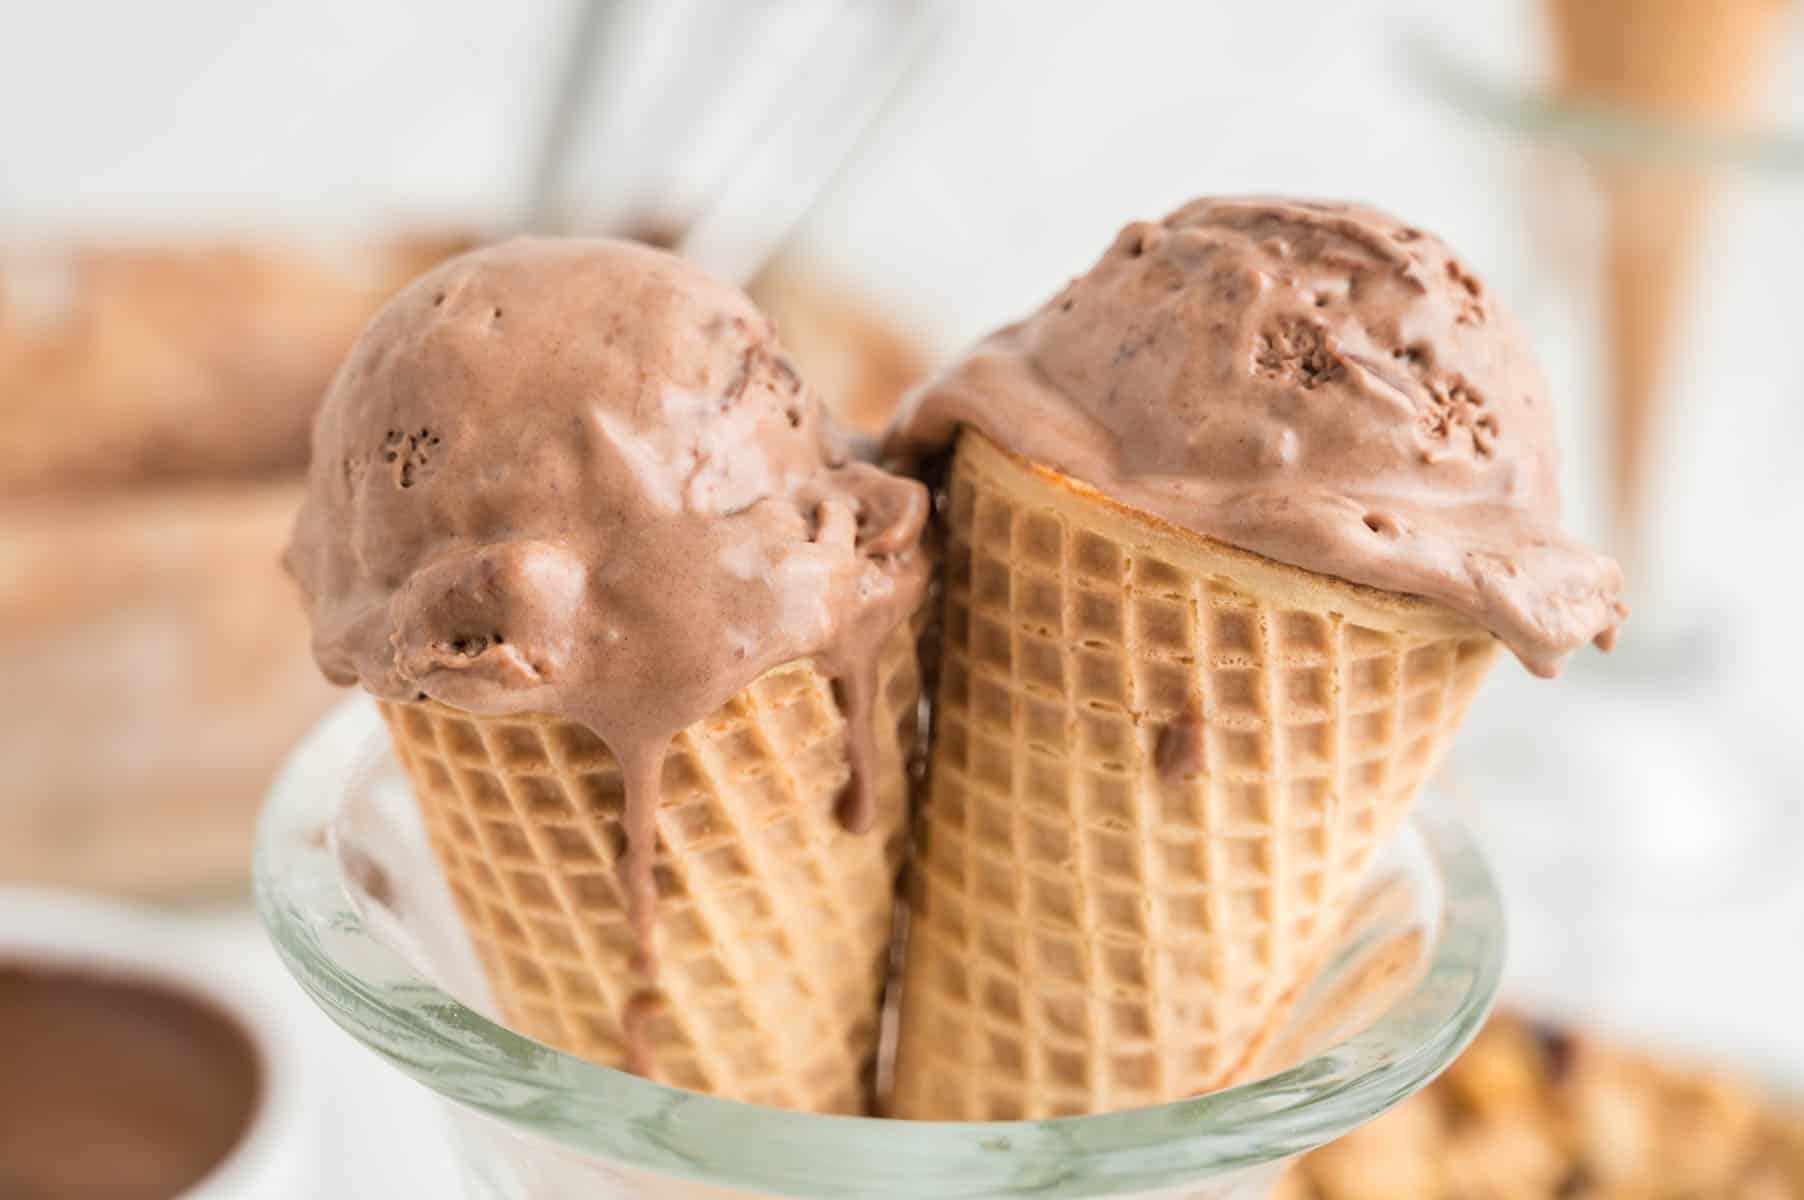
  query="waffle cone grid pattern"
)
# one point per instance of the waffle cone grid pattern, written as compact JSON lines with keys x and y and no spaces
{"x":1091,"y":932}
{"x":772,"y":922}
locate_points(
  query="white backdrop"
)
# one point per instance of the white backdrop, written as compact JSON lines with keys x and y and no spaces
{"x":1035,"y":130}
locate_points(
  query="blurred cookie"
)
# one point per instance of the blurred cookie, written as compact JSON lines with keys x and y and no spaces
{"x":1532,"y":1111}
{"x":131,"y":364}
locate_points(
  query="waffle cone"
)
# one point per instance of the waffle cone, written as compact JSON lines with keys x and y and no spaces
{"x":1160,"y":766}
{"x":773,"y":923}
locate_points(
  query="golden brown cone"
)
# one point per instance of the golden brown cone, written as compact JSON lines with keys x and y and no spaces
{"x":773,"y":923}
{"x":1160,"y":766}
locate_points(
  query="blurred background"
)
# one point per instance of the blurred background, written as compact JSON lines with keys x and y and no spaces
{"x":202,"y":202}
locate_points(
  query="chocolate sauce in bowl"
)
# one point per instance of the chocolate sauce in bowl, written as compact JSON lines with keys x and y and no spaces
{"x":115,"y":1087}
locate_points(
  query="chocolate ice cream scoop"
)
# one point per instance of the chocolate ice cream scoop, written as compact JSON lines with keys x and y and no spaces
{"x":579,"y":477}
{"x":1317,"y":383}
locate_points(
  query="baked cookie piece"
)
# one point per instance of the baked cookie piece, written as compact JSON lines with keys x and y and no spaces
{"x":1532,"y":1111}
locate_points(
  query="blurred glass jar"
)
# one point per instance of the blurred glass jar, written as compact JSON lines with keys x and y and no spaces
{"x":1652,"y":199}
{"x":1647,"y":159}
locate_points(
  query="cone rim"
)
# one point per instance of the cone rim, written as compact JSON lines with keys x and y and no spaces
{"x":1523,"y":109}
{"x":1248,"y":571}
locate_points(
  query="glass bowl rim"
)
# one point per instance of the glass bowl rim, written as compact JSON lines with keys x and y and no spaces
{"x":596,"y":1110}
{"x":1468,"y":90}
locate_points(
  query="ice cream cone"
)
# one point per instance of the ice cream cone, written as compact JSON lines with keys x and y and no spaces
{"x":1160,"y":766}
{"x":772,"y":921}
{"x":1656,"y":219}
{"x":1692,"y":64}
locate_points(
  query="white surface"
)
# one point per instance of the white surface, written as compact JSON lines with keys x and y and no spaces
{"x":377,"y":1136}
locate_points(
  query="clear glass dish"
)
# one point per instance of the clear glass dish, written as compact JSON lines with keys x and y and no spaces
{"x":346,"y":886}
{"x":1659,"y":782}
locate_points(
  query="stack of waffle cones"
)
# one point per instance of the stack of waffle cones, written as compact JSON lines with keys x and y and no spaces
{"x":1693,"y":65}
{"x":1160,"y":766}
{"x":772,"y":922}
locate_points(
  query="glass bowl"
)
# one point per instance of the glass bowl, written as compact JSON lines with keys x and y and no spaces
{"x":1658,"y":783}
{"x":347,"y":889}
